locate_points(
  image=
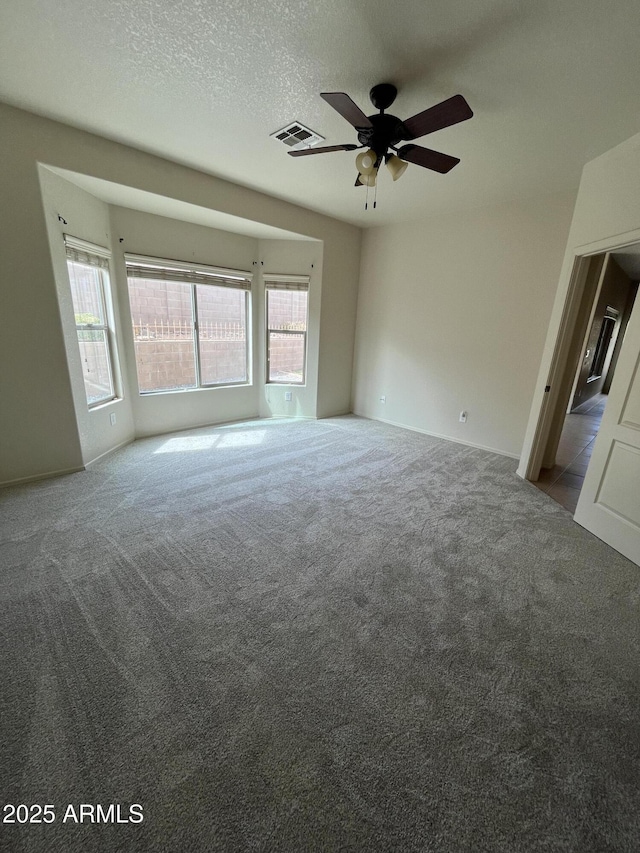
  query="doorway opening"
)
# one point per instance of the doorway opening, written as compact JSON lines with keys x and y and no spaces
{"x":564,"y":480}
{"x":610,"y":287}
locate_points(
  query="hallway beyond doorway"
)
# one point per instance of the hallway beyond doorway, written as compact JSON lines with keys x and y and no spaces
{"x":564,"y":481}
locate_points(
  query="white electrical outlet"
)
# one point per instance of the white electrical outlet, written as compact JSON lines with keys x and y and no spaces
{"x":463,"y":417}
{"x":287,"y":396}
{"x":383,"y":399}
{"x":112,"y":418}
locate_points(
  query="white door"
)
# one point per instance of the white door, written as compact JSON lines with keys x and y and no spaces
{"x":609,"y":504}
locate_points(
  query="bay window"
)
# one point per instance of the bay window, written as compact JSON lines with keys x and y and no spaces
{"x":191,"y":324}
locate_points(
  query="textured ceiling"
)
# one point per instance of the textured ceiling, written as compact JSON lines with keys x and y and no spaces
{"x":552,"y":85}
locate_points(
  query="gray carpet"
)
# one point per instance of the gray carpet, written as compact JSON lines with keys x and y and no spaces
{"x":315,"y":636}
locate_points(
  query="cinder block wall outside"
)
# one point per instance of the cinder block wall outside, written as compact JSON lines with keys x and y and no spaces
{"x":162,"y":327}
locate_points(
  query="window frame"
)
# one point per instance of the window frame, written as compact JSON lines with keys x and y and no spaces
{"x":293,"y":283}
{"x":195,"y":275}
{"x":196,"y":342}
{"x":97,"y":258}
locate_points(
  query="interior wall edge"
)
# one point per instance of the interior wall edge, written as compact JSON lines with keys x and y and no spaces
{"x":438,"y":435}
{"x":46,"y":475}
{"x":338,"y":413}
{"x":210,"y":424}
{"x":109,"y":452}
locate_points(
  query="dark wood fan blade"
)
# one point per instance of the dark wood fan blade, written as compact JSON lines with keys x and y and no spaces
{"x":325,"y":150}
{"x":434,"y":160}
{"x":448,"y":112}
{"x":347,"y":108}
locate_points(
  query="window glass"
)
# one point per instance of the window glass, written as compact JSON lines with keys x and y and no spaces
{"x":162,"y":319}
{"x":222,"y":334}
{"x":87,"y":292}
{"x":286,"y":335}
{"x":187,"y":334}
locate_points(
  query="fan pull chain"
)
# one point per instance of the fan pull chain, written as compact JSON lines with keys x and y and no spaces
{"x":375,"y":196}
{"x":366,"y":203}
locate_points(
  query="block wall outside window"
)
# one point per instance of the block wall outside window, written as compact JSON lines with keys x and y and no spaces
{"x":287,"y":312}
{"x":163,"y":334}
{"x":187,"y":334}
{"x":222,"y":333}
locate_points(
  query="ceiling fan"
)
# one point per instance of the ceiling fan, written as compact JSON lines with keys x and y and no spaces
{"x":383,"y":133}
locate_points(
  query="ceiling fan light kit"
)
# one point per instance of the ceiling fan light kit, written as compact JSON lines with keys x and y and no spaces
{"x":396,"y":166}
{"x":366,"y":161}
{"x":368,"y":180}
{"x":382,"y":133}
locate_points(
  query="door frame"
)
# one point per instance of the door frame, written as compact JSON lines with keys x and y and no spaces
{"x":566,"y":342}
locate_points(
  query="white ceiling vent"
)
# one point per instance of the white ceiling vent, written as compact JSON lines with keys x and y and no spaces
{"x":296,"y":136}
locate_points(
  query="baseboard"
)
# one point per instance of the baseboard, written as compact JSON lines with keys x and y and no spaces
{"x":289,"y":418}
{"x":439,"y":435}
{"x":210,"y":424}
{"x":48,"y":475}
{"x":109,"y":452}
{"x":339,"y":414}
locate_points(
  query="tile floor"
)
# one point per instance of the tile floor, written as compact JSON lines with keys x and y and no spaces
{"x":564,"y":481}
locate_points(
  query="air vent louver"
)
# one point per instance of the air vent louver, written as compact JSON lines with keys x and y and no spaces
{"x":296,"y":136}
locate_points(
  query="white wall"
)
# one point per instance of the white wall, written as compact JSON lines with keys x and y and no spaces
{"x":606,"y":217}
{"x":452,"y":316}
{"x":38,"y":426}
{"x":38,"y":431}
{"x":87,"y":218}
{"x":340,"y":266}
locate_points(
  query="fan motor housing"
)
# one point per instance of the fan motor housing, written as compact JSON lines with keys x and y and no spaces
{"x":386,"y":130}
{"x":383,"y":95}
